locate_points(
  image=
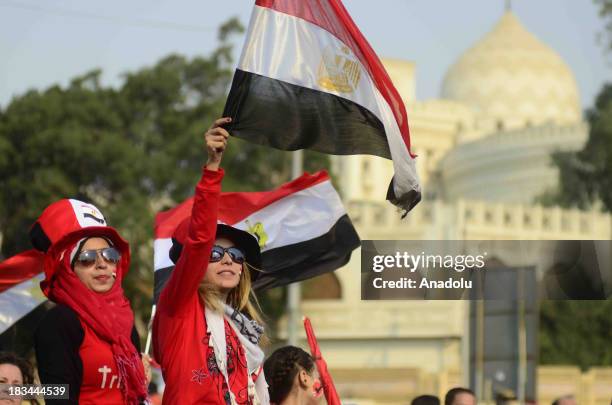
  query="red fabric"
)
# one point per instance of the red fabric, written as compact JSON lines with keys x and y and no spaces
{"x":234,"y":207}
{"x":19,"y":268}
{"x":108,"y":314}
{"x":331,"y":16}
{"x":60,"y":218}
{"x":100,"y":384}
{"x":180,"y":339}
{"x":331,"y":395}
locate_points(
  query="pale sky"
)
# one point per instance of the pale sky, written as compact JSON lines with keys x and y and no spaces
{"x":50,"y":41}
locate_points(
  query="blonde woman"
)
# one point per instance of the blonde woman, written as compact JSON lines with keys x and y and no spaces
{"x":207,"y":328}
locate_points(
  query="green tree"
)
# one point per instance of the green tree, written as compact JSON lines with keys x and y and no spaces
{"x":132,"y":151}
{"x":579,"y":332}
{"x":576,"y":333}
{"x":605,"y":12}
{"x":586,"y":176}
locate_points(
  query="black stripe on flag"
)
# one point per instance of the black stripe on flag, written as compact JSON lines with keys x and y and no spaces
{"x":291,"y":117}
{"x":160,"y":278}
{"x":311,"y":258}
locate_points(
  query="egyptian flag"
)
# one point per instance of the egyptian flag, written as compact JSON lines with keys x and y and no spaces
{"x":308,"y":79}
{"x":20,"y":293}
{"x":302,"y":228}
{"x":329,"y":389}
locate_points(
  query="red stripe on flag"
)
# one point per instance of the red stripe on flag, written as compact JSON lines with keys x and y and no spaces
{"x":20,"y":268}
{"x":167,"y":221}
{"x":234,"y":207}
{"x":331,"y":16}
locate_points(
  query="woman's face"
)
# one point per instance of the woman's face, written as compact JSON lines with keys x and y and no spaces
{"x":225,"y":273}
{"x":99,"y":275}
{"x":10,"y":374}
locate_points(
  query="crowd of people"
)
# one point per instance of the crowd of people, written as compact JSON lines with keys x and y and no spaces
{"x":207,"y":333}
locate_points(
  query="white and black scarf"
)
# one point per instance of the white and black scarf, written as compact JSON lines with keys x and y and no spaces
{"x":249,"y":332}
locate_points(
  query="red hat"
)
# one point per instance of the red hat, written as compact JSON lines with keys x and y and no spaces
{"x":64,"y":217}
{"x":65,"y":222}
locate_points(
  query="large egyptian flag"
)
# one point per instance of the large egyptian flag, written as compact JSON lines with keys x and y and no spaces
{"x":308,"y":79}
{"x":302,"y":228}
{"x":20,"y":293}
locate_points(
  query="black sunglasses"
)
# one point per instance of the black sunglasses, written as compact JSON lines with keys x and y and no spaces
{"x":217,"y":253}
{"x":109,"y":254}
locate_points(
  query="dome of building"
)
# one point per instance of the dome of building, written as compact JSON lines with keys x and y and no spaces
{"x":512,"y":80}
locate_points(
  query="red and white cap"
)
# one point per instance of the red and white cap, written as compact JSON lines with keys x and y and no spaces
{"x":61,"y":218}
{"x":62,"y":225}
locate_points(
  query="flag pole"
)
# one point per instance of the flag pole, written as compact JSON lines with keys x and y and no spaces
{"x":149,"y":331}
{"x":294,"y":290}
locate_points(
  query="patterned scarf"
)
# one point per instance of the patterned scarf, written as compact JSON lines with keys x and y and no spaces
{"x":249,"y":332}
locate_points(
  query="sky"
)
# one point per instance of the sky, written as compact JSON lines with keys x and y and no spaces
{"x":47,"y":42}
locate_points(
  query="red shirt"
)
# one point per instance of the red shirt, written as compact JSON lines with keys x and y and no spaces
{"x":180,"y":336}
{"x":100,"y":384}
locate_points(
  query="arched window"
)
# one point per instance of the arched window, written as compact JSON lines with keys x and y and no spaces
{"x":323,"y":287}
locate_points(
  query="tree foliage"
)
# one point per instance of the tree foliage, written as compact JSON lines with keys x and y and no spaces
{"x":576,"y":333}
{"x":131,"y":150}
{"x":605,"y":12}
{"x":586,"y":176}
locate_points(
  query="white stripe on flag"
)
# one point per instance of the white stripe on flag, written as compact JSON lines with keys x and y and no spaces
{"x":267,"y":52}
{"x":298,"y":217}
{"x":18,"y":301}
{"x":161,"y":252}
{"x":297,"y":61}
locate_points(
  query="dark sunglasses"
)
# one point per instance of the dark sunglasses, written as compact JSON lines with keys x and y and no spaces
{"x":217,"y":253}
{"x":88,"y":257}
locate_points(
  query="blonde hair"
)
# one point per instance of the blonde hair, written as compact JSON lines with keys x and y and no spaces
{"x":240,"y":297}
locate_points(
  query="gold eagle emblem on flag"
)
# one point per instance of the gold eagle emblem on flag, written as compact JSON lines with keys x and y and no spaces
{"x":258,"y":231}
{"x":339,"y":70}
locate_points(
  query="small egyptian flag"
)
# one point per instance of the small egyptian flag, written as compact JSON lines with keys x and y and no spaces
{"x":302,"y":228}
{"x":308,"y":79}
{"x":20,"y":293}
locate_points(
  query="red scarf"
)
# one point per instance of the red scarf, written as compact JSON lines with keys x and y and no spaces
{"x":109,"y":314}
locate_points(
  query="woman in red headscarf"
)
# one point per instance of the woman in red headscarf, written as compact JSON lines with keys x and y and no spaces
{"x":88,"y":339}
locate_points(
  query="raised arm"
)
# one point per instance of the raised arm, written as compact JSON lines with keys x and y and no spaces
{"x":193,"y":262}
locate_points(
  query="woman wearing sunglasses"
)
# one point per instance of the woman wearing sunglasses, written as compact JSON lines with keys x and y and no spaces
{"x":293,"y":377}
{"x":88,"y":339}
{"x":207,"y":328}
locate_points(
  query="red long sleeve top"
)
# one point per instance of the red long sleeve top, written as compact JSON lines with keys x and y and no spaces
{"x":181,"y":341}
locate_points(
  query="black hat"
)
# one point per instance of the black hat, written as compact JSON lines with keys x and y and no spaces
{"x":242,"y":240}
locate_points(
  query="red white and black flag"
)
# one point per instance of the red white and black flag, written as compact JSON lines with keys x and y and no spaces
{"x":20,"y":293}
{"x":302,"y":228}
{"x":308,"y":79}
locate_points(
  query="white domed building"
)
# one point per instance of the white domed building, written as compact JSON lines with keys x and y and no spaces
{"x":484,"y":152}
